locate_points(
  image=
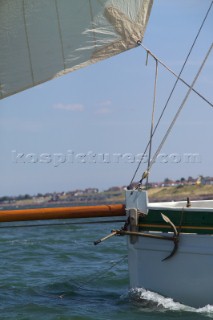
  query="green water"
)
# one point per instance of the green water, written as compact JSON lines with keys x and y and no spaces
{"x":55,"y":272}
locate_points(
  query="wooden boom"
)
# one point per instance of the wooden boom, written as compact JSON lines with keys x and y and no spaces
{"x":62,"y":213}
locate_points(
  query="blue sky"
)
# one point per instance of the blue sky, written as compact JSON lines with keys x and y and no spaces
{"x":65,"y":126}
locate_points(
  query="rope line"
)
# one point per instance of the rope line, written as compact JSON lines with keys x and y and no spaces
{"x":152,"y":120}
{"x":100,"y":275}
{"x":177,"y":76}
{"x":171,"y":93}
{"x":59,"y":224}
{"x":180,"y":108}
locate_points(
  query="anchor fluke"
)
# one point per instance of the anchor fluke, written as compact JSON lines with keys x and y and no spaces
{"x":175,"y":238}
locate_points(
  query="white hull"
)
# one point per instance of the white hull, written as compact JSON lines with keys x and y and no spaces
{"x":187,"y":277}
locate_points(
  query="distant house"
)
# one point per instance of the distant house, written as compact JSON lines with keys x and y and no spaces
{"x":208,"y":180}
{"x":91,"y":190}
{"x":114,"y":189}
{"x":55,"y":197}
{"x":168,"y":183}
{"x":78,"y":193}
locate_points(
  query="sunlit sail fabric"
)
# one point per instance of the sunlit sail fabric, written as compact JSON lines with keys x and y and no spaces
{"x":43,"y":39}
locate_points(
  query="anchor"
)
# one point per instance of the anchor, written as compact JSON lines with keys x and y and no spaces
{"x":175,"y":237}
{"x":124,"y":232}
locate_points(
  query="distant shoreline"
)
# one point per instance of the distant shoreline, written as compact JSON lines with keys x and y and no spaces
{"x":181,"y":193}
{"x":158,"y":194}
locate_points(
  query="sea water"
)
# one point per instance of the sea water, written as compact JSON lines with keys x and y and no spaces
{"x":54,"y":271}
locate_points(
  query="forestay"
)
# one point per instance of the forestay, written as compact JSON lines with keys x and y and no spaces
{"x":43,"y":39}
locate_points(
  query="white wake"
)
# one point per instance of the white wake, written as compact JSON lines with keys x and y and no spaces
{"x":149,"y":299}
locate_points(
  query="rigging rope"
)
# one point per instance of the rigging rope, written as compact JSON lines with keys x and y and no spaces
{"x":178,"y":77}
{"x":180,"y":108}
{"x":58,"y":224}
{"x":152,"y":121}
{"x":101,"y":274}
{"x":174,"y":74}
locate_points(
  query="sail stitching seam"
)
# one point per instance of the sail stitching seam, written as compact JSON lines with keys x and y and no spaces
{"x":60,"y":34}
{"x":28,"y":44}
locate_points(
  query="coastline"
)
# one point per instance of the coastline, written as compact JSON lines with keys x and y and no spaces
{"x":158,"y":194}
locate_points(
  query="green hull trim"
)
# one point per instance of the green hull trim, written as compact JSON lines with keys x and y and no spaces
{"x":186,"y":220}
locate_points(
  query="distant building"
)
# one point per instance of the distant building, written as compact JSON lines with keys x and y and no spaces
{"x":207,"y":180}
{"x":55,"y":197}
{"x":114,"y":189}
{"x":91,"y":190}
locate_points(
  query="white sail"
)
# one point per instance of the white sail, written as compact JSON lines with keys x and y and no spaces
{"x":43,"y":39}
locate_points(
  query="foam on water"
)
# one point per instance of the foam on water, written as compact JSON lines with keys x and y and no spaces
{"x":207,"y":310}
{"x":154,"y":300}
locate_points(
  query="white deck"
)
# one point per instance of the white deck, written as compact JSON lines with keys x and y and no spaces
{"x":205,"y":205}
